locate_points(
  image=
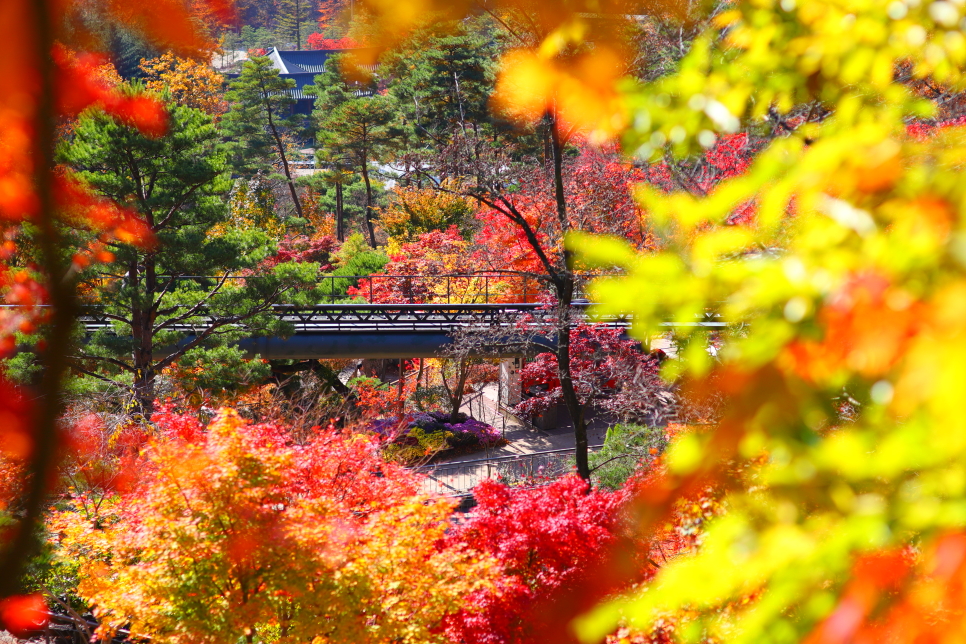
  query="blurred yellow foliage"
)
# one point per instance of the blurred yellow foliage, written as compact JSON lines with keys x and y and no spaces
{"x":844,"y":364}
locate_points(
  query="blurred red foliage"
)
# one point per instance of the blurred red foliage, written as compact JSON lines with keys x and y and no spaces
{"x":44,"y":84}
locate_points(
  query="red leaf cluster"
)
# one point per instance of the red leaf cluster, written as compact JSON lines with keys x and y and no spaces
{"x":601,"y":359}
{"x":548,"y":539}
{"x":411,"y":275}
{"x":599,"y":191}
{"x":301,"y":248}
{"x":318,"y":41}
{"x":921,"y":130}
{"x":730,"y":157}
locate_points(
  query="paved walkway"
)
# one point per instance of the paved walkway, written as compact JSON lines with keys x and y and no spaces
{"x":524,"y":439}
{"x":457,"y":475}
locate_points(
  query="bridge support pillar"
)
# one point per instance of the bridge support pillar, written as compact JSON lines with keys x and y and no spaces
{"x":510,"y":381}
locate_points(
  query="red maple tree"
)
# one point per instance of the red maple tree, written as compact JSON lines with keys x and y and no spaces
{"x":547,"y":540}
{"x":416,"y":272}
{"x":599,"y":186}
{"x":607,"y":366}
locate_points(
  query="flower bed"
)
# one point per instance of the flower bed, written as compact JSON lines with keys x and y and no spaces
{"x":419,"y":437}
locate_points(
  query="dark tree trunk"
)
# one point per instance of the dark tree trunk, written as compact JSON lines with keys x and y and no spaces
{"x":369,"y":227}
{"x":571,"y":400}
{"x":564,"y":285}
{"x":401,"y":387}
{"x":142,"y":327}
{"x":144,"y":391}
{"x":281,"y":154}
{"x":455,"y":393}
{"x":458,"y":393}
{"x":339,"y":213}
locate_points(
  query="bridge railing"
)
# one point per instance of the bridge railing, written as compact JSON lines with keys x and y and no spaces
{"x":527,"y":470}
{"x":477,"y":288}
{"x":488,"y":287}
{"x":389,"y":318}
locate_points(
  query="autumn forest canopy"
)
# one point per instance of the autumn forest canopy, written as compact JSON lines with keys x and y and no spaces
{"x":483,"y":322}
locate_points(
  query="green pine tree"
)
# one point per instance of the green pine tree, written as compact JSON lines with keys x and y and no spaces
{"x":357,"y":129}
{"x":444,"y":80}
{"x":260,"y":120}
{"x":294,"y":21}
{"x":158,"y":316}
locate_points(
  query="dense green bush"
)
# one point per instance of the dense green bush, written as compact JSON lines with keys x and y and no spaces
{"x":626,"y":449}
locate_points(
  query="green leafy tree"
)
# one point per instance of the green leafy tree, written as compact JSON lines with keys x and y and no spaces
{"x":157,"y":315}
{"x":354,"y":259}
{"x":260,"y":121}
{"x":355,"y":129}
{"x":250,"y":37}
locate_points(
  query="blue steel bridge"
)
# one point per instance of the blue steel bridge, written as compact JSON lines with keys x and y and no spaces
{"x":372,"y":330}
{"x":410,"y":329}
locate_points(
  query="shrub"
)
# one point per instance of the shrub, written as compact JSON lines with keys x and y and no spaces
{"x":626,"y":449}
{"x":430,"y":433}
{"x":485,"y":434}
{"x":237,"y":531}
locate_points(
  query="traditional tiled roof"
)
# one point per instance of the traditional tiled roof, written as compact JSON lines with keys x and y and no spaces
{"x":302,"y":67}
{"x":301,"y":80}
{"x":297,"y":62}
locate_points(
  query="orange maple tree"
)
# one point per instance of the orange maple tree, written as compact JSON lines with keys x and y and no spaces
{"x":233,"y":533}
{"x":189,"y":82}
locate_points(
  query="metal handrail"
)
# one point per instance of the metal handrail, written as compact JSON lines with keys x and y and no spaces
{"x":531,"y":287}
{"x":386,"y":317}
{"x":502,"y":459}
{"x":365,"y":317}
